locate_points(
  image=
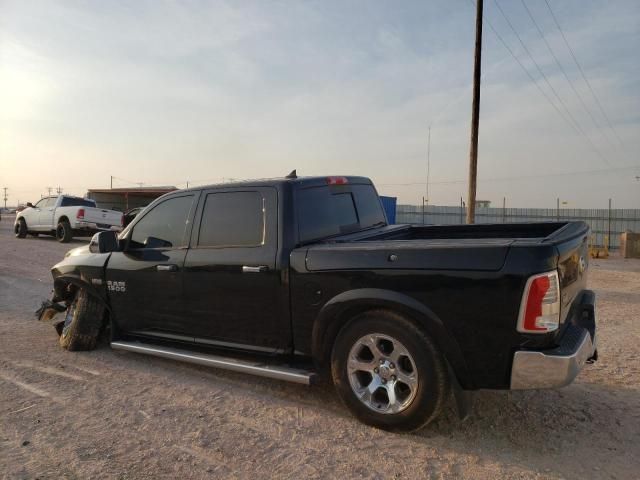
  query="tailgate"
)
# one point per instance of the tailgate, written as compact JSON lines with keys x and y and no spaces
{"x":573,"y":262}
{"x":102,"y":217}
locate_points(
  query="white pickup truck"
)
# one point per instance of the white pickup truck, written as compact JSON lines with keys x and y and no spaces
{"x":65,"y":217}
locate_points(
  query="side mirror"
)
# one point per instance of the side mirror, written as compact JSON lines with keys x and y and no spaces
{"x":104,"y":242}
{"x":29,"y":204}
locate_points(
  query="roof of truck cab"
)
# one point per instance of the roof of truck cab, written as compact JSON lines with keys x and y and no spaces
{"x":297,"y":181}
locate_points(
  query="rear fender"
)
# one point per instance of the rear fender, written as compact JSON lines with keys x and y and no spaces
{"x":339,"y":310}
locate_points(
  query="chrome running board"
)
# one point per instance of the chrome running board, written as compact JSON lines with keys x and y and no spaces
{"x":278,"y":372}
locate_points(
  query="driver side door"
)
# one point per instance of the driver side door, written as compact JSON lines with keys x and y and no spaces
{"x":32,"y":215}
{"x":145,"y":281}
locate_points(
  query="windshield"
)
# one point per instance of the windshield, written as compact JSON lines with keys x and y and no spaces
{"x":332,"y":210}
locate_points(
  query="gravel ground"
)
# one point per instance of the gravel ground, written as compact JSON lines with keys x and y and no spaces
{"x":108,"y":414}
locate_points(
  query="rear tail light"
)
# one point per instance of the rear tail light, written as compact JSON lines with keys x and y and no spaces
{"x":337,"y":180}
{"x":540,"y":307}
{"x":80,"y":213}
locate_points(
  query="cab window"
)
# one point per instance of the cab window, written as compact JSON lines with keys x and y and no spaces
{"x":232,"y":219}
{"x":164,"y":226}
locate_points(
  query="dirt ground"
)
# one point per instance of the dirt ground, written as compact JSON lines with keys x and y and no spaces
{"x":108,"y":414}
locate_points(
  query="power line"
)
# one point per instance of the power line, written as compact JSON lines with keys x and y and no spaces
{"x":495,"y":32}
{"x":544,"y":94}
{"x":564,"y":72}
{"x":575,"y":124}
{"x":542,"y":74}
{"x":604,"y":114}
{"x":519,"y":177}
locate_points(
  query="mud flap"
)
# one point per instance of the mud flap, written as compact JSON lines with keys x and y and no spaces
{"x":462,"y":397}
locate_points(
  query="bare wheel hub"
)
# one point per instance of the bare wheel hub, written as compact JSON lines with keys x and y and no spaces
{"x":382,"y":373}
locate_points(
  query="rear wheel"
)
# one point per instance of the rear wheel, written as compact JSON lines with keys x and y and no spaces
{"x":82,"y":323}
{"x":20,"y":228}
{"x":64,"y":233}
{"x":389,"y":372}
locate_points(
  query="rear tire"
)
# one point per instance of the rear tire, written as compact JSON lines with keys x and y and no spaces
{"x":388,"y":372}
{"x":20,"y":228}
{"x":82,"y":324}
{"x":64,"y":234}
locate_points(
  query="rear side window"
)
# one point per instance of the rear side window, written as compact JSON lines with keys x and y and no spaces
{"x":165,"y":225}
{"x":232,"y":219}
{"x":77,"y":202}
{"x":328,"y":211}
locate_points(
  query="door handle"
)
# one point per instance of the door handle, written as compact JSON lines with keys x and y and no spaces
{"x":167,"y":268}
{"x":259,"y":269}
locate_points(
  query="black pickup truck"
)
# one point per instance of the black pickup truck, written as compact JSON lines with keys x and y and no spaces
{"x":293,"y":278}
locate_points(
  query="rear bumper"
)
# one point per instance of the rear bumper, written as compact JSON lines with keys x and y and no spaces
{"x":94,"y":227}
{"x":558,"y":367}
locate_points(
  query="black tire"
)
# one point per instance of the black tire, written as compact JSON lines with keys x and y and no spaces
{"x":425,"y":399}
{"x":20,"y":228}
{"x":83,"y":323}
{"x":64,"y":234}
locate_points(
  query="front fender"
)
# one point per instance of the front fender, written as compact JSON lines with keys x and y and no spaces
{"x":81,"y":270}
{"x":341,"y":308}
{"x":62,"y":291}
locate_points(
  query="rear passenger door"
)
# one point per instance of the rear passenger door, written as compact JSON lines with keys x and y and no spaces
{"x":45,"y":217}
{"x":233,"y":290}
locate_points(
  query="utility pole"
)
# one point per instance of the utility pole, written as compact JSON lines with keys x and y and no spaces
{"x":475,"y":117}
{"x":49,"y":191}
{"x":5,"y":197}
{"x":59,"y":190}
{"x":111,"y":182}
{"x":609,"y":227}
{"x":428,"y":162}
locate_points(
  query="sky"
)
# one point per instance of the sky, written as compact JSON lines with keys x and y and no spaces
{"x":164,"y":93}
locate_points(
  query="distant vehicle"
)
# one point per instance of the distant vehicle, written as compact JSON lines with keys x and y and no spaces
{"x":290,"y":278}
{"x":130,"y":214}
{"x":64,"y":217}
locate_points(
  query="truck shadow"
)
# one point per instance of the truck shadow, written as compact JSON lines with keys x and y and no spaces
{"x":572,"y":432}
{"x":596,"y":423}
{"x":77,"y":241}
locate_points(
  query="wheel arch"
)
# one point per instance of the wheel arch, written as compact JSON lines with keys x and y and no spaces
{"x":63,"y":218}
{"x":338,"y":311}
{"x":65,"y":286}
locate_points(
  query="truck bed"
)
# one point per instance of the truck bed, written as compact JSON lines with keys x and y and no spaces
{"x":477,"y":231}
{"x":439,"y":247}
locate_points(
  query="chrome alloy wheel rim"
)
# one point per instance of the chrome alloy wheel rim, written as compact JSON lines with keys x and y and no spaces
{"x":382,"y":373}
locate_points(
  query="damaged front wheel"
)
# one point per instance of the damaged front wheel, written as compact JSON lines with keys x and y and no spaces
{"x":82,"y":323}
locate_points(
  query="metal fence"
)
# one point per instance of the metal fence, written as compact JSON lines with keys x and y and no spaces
{"x":603,"y":222}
